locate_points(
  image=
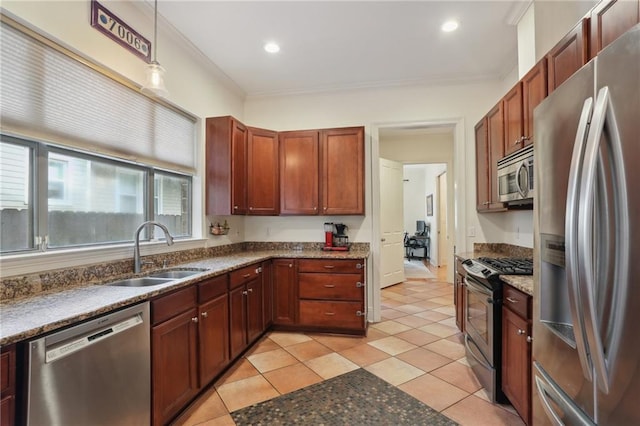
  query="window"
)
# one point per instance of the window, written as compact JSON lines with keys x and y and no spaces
{"x":17,"y":227}
{"x":89,"y":200}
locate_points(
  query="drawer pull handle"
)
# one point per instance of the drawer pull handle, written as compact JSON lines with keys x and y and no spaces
{"x":329,"y":313}
{"x":512,"y":300}
{"x":246,"y":276}
{"x":330,"y":286}
{"x":329,"y":266}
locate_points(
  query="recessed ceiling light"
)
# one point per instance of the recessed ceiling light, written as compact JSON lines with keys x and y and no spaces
{"x":272,"y":47}
{"x":449,"y":26}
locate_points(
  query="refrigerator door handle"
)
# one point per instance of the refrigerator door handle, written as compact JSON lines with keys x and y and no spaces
{"x":604,"y":364}
{"x":572,"y":236}
{"x":548,"y":391}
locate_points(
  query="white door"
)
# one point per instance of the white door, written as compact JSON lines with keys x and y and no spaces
{"x":443,"y":236}
{"x":391,"y":223}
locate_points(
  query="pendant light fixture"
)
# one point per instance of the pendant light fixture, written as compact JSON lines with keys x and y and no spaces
{"x":155,"y":73}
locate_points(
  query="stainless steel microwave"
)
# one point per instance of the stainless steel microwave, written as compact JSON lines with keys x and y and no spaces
{"x":515,"y":177}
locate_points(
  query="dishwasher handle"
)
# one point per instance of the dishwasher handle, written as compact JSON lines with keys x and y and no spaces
{"x":82,"y":341}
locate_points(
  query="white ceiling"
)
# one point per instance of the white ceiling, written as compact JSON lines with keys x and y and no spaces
{"x":335,"y":45}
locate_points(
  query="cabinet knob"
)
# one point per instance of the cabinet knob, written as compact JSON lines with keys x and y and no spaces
{"x":291,"y":265}
{"x":325,"y":209}
{"x":205,"y":314}
{"x":244,"y":293}
{"x":521,"y":332}
{"x":194,"y":319}
{"x":315,"y":208}
{"x":258,"y":270}
{"x":250,"y":290}
{"x":529,"y":339}
{"x":235,"y":207}
{"x":250,"y":208}
{"x":359,"y":266}
{"x":486,"y":203}
{"x":359,"y":284}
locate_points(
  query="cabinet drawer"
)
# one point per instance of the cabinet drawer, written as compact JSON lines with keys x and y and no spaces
{"x":331,"y":286}
{"x":212,"y":288}
{"x":517,"y":301}
{"x":243,"y":275}
{"x":169,"y":306}
{"x":341,"y":266}
{"x":332,"y":314}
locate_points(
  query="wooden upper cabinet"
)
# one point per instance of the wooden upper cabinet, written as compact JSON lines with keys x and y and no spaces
{"x":342,"y":171}
{"x":513,"y":122}
{"x":299,"y":172}
{"x":569,"y":55}
{"x":534,"y":91}
{"x":263,"y":187}
{"x":609,"y":20}
{"x":226,"y":166}
{"x":482,"y":165}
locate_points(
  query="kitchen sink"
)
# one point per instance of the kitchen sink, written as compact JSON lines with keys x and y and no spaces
{"x":141,"y":282}
{"x":175,"y":275}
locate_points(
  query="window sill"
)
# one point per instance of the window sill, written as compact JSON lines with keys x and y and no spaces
{"x":29,"y":263}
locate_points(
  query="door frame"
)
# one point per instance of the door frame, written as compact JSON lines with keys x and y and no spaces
{"x":456,"y":206}
{"x":440,"y":234}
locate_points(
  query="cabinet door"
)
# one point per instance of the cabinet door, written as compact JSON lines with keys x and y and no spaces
{"x":267,"y":293}
{"x":516,"y":362}
{"x":482,"y":166}
{"x":239,"y":168}
{"x":568,"y":56}
{"x":263,"y":187}
{"x":237,"y":321}
{"x":174,"y":365}
{"x":226,"y":166}
{"x":255,"y":318}
{"x":299,"y":172}
{"x":495,"y":144}
{"x":213,"y":332}
{"x":7,"y":385}
{"x":513,"y":122}
{"x":534,"y":90}
{"x":285,"y":298}
{"x":609,"y":20}
{"x":342,"y":182}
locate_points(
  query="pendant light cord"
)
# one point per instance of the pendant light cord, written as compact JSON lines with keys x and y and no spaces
{"x":155,"y":33}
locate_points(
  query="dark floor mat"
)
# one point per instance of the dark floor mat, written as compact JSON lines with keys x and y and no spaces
{"x":355,"y":398}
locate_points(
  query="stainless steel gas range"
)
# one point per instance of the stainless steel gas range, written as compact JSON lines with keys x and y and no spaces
{"x":483,"y":314}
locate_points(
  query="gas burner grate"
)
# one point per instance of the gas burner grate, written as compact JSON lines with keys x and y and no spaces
{"x":509,"y":265}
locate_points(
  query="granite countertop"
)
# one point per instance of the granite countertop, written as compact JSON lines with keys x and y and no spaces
{"x":44,"y":313}
{"x":523,"y":283}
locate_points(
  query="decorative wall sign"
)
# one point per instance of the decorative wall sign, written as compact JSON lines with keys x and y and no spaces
{"x":115,"y":28}
{"x":430,"y":205}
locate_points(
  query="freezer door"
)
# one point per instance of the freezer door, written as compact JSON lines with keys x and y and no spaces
{"x":559,"y":344}
{"x":615,"y":239}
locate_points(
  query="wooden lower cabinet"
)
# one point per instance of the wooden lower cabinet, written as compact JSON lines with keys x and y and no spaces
{"x":516,"y":351}
{"x":331,"y":294}
{"x":213,"y":328}
{"x":174,"y":364}
{"x":7,"y":386}
{"x":285,"y":292}
{"x":245,"y":308}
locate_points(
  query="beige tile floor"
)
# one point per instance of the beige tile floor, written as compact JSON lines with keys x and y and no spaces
{"x":416,"y":347}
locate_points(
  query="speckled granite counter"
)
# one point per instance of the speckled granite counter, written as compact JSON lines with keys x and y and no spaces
{"x":523,"y":283}
{"x":29,"y":317}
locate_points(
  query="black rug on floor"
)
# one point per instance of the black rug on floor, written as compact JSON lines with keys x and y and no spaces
{"x":355,"y":398}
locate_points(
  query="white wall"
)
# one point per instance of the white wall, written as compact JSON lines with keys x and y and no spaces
{"x":526,"y":42}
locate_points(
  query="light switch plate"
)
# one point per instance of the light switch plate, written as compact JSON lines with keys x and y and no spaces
{"x":471,"y":231}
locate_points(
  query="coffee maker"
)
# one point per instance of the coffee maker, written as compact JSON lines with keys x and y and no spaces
{"x":335,"y":238}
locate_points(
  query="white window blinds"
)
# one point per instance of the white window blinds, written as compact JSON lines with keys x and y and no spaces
{"x":50,"y":95}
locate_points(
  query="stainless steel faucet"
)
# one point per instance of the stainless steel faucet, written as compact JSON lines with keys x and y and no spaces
{"x":136,"y":245}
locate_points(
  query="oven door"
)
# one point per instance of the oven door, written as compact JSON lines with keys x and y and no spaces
{"x":480,"y":317}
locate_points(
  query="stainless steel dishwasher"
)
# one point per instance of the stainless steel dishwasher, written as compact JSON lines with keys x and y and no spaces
{"x":94,"y":373}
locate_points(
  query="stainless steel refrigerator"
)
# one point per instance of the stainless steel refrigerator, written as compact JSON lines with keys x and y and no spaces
{"x":586,"y":330}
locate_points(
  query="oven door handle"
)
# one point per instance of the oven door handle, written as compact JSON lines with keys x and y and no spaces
{"x":478,"y":288}
{"x":477,"y":356}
